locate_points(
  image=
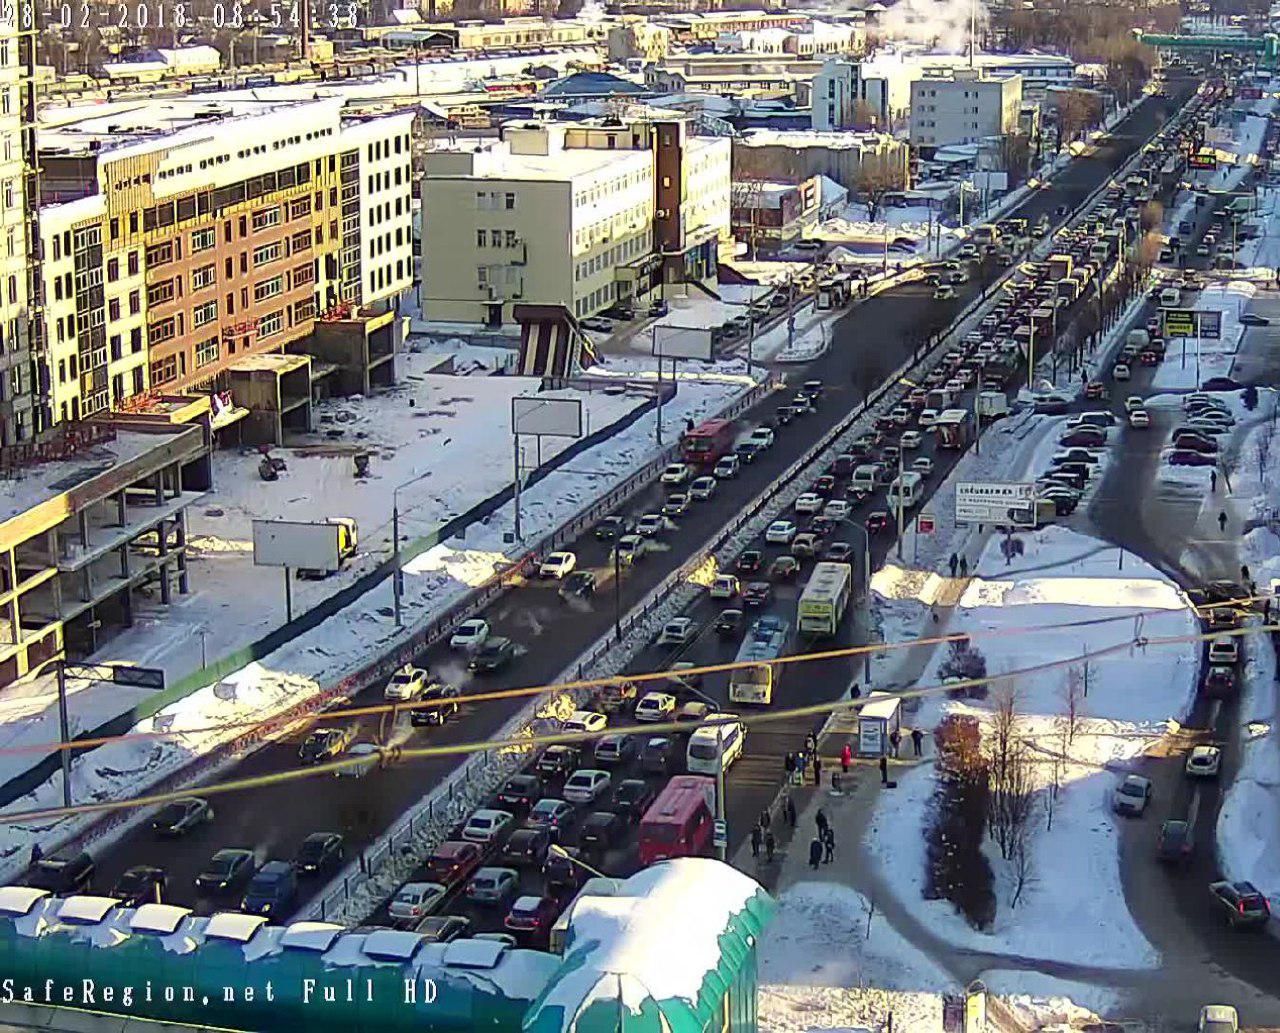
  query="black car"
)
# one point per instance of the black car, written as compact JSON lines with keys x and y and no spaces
{"x":632,"y":798}
{"x":616,"y":749}
{"x":844,"y":464}
{"x":1221,"y":384}
{"x":757,"y":594}
{"x":494,"y":655}
{"x":562,"y":870}
{"x":1244,"y":905}
{"x":784,"y":568}
{"x":609,"y":528}
{"x":181,"y":816}
{"x":580,"y":584}
{"x":143,"y":884}
{"x":824,"y":485}
{"x":659,"y":308}
{"x":658,"y":756}
{"x":442,"y":928}
{"x":520,"y":793}
{"x":1253,"y":319}
{"x":785,"y":414}
{"x":445,"y":700}
{"x":558,"y":761}
{"x":745,"y":451}
{"x":729,"y":623}
{"x":272,"y":891}
{"x":320,"y":852}
{"x":526,"y":848}
{"x":838,"y":552}
{"x":63,"y":873}
{"x":749,"y":562}
{"x":600,"y":832}
{"x":228,"y":871}
{"x":1176,"y":843}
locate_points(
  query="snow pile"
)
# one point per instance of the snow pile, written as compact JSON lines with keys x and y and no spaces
{"x":831,"y":1009}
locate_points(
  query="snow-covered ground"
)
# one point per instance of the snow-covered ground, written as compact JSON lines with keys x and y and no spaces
{"x":1189,"y":363}
{"x":1034,"y":620}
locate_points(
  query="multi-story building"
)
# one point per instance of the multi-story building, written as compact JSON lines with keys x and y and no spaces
{"x":850,"y":159}
{"x":963,"y":105}
{"x":740,"y":75}
{"x":843,"y":98}
{"x":178,"y":239}
{"x":571,"y":215}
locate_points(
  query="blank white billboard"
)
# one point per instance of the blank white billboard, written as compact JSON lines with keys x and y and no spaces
{"x":298,"y":544}
{"x":546,"y":417}
{"x":682,"y":342}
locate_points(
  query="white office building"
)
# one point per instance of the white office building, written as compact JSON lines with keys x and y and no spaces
{"x":964,"y":105}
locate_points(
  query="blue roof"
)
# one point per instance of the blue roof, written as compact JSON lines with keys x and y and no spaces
{"x":592,"y":84}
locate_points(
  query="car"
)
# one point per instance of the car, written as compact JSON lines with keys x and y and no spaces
{"x":494,"y":655}
{"x":1204,"y":762}
{"x":922,"y":465}
{"x":809,"y":502}
{"x":702,"y":488}
{"x":325,"y":744}
{"x":436,"y":705}
{"x":616,"y":749}
{"x":442,"y":928}
{"x":1202,"y":249}
{"x":801,"y":405}
{"x":658,"y":755}
{"x":628,"y":549}
{"x":405,"y":685}
{"x":658,"y":308}
{"x":1218,"y":1018}
{"x":877,"y":521}
{"x":1095,"y":389}
{"x":1120,"y":371}
{"x":581,"y":584}
{"x":182,"y":816}
{"x":632,"y":798}
{"x":591,"y":721}
{"x":1134,"y":402}
{"x":486,"y":825}
{"x":520,"y":792}
{"x":1224,"y":618}
{"x":784,"y":414}
{"x":586,"y":784}
{"x":493,"y":886}
{"x":836,"y":510}
{"x":838,"y":552}
{"x":469,"y":635}
{"x":761,"y":438}
{"x":610,"y":528}
{"x":727,"y":625}
{"x":615,"y":697}
{"x":558,"y":565}
{"x":757,"y":594}
{"x":824,"y":485}
{"x":415,"y":900}
{"x":675,"y":473}
{"x":806,"y":544}
{"x":532,"y":917}
{"x":141,"y":884}
{"x":1176,"y":842}
{"x":725,"y":586}
{"x":1195,"y":441}
{"x":676,"y":504}
{"x":694,"y":710}
{"x":1132,"y":795}
{"x":227,"y":871}
{"x":453,"y":862}
{"x":944,"y":292}
{"x":1084,"y":437}
{"x":677,"y":631}
{"x":1139,"y":419}
{"x":1224,"y":650}
{"x":784,"y":568}
{"x":552,"y":814}
{"x":273,"y":890}
{"x":780,"y":532}
{"x":1221,"y":384}
{"x":599,"y":324}
{"x":911,"y":439}
{"x":1187,"y":457}
{"x":320,"y":852}
{"x":656,"y":706}
{"x":1253,"y":319}
{"x":726,"y":467}
{"x":527,"y":848}
{"x":651,"y":525}
{"x":1244,"y":905}
{"x":749,"y":561}
{"x":1220,"y":682}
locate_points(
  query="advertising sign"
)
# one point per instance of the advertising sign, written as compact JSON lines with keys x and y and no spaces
{"x":870,"y":737}
{"x":1179,"y":322}
{"x":1203,"y":161}
{"x":296,"y":544}
{"x":924,"y":523}
{"x":1210,"y":324}
{"x":995,"y":502}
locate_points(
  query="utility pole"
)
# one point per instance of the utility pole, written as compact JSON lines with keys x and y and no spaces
{"x":902,"y":509}
{"x":396,"y":576}
{"x":722,"y":851}
{"x":617,"y":593}
{"x":516,"y":497}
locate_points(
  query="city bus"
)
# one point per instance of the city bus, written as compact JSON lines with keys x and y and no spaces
{"x":706,"y":443}
{"x":765,"y":640}
{"x":824,"y":599}
{"x":680,"y":822}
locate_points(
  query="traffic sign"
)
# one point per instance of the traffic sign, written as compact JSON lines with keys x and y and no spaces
{"x":924,"y":523}
{"x":1203,"y":161}
{"x":720,"y":834}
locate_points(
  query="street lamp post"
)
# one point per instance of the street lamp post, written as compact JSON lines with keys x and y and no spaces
{"x":397,"y":576}
{"x":902,"y":510}
{"x":722,"y":851}
{"x":617,"y":593}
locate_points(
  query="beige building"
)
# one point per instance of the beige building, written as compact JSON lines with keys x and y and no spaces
{"x":636,"y":38}
{"x":571,"y":215}
{"x":963,"y":105}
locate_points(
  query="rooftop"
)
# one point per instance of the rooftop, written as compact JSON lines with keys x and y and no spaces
{"x":834,"y":140}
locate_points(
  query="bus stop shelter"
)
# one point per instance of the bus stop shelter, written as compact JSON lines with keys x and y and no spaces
{"x":880,"y":718}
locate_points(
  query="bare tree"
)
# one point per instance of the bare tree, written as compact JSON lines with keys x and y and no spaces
{"x":875,"y":180}
{"x":1266,"y":438}
{"x":1009,"y":769}
{"x":744,"y":205}
{"x":1020,"y":864}
{"x":1057,"y":765}
{"x":1015,"y":156}
{"x":1073,"y":695}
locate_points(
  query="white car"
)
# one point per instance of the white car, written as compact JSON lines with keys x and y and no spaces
{"x":922,"y":465}
{"x":703,"y":488}
{"x":725,"y":586}
{"x":629,"y":548}
{"x":416,"y":900}
{"x":486,"y":825}
{"x":676,"y":473}
{"x":586,"y":785}
{"x":1224,"y":650}
{"x":677,"y":631}
{"x":406,"y":684}
{"x":761,"y":437}
{"x":585,"y":721}
{"x":726,"y":467}
{"x":809,"y":502}
{"x":367,"y":756}
{"x":1120,"y":371}
{"x":1204,"y":762}
{"x":911,"y":439}
{"x":837,"y":509}
{"x":470,"y":635}
{"x":1219,"y":1018}
{"x":1139,"y":419}
{"x":1132,"y":795}
{"x":655,"y":706}
{"x":1134,"y":402}
{"x":927,"y":417}
{"x":558,"y":565}
{"x":780,"y":532}
{"x":650,"y":525}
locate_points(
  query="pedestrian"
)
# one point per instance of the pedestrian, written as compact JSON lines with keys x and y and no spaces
{"x":810,"y":743}
{"x":817,"y":770}
{"x":1244,"y":573}
{"x":1222,"y":522}
{"x":815,"y":853}
{"x":765,"y":819}
{"x":964,"y":566}
{"x":757,"y":837}
{"x":801,"y":763}
{"x":790,"y":807}
{"x":770,"y":845}
{"x":1213,"y":480}
{"x":846,"y":758}
{"x":895,"y":740}
{"x":820,"y":819}
{"x":917,"y":741}
{"x":36,"y":854}
{"x":884,"y":770}
{"x":933,"y":612}
{"x":954,"y":562}
{"x":830,"y":845}
{"x":1266,"y":609}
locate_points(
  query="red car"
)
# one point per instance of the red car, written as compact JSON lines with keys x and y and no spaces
{"x":1095,"y":389}
{"x":454,"y":862}
{"x":1220,"y":682}
{"x":824,"y":485}
{"x":877,"y":521}
{"x":532,"y":917}
{"x":1149,"y":358}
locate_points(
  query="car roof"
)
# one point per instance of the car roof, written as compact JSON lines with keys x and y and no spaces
{"x":453,"y":847}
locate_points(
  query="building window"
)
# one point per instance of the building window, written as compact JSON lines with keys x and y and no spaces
{"x":268,"y":288}
{"x":300,"y":241}
{"x":482,"y":238}
{"x":159,"y":332}
{"x":270,"y":325}
{"x":113,"y":268}
{"x":164,"y":370}
{"x":203,"y":240}
{"x":205,"y":314}
{"x":267,"y":253}
{"x":509,"y":202}
{"x":113,"y":309}
{"x":207,"y":351}
{"x":203,"y":277}
{"x":134,"y":263}
{"x":303,"y":274}
{"x":264,"y":218}
{"x":160,"y":254}
{"x":135,"y":302}
{"x":300,"y":208}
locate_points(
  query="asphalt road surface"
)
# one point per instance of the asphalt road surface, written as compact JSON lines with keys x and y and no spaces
{"x":274,"y":819}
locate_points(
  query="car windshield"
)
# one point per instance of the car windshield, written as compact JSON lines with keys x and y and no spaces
{"x":703,"y":750}
{"x":222,"y":863}
{"x":544,"y":809}
{"x":1131,"y":789}
{"x":312,"y":849}
{"x":171,"y":814}
{"x":131,"y":881}
{"x":630,"y":791}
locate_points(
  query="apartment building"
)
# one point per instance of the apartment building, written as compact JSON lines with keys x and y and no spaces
{"x":963,"y":105}
{"x":574,"y":215}
{"x":181,"y":236}
{"x":845,"y":98}
{"x":739,"y":75}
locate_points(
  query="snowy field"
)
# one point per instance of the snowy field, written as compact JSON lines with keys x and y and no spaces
{"x":1065,"y":597}
{"x":1189,"y":363}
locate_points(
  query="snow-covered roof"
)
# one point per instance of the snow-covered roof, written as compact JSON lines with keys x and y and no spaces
{"x":661,"y":951}
{"x":310,"y":936}
{"x":832,"y":192}
{"x":796,"y":138}
{"x":19,"y":900}
{"x":158,"y":918}
{"x":391,"y":945}
{"x":86,"y":910}
{"x":233,"y":926}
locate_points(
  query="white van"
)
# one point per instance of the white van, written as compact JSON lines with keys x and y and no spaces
{"x":1170,"y":297}
{"x":908,"y":487}
{"x":864,"y":477}
{"x":700,"y":757}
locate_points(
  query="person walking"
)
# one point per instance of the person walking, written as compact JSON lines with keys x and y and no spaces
{"x":815,"y":853}
{"x":1222,"y":522}
{"x":770,"y":845}
{"x":790,"y":762}
{"x":36,"y":854}
{"x":846,"y":758}
{"x":757,"y":837}
{"x":1244,"y":573}
{"x":954,"y":562}
{"x":1213,"y":480}
{"x":810,"y":743}
{"x":765,"y":819}
{"x":790,"y":807}
{"x":884,"y":769}
{"x":817,"y":770}
{"x":830,"y":844}
{"x":964,"y":566}
{"x":917,"y":741}
{"x":895,"y":740}
{"x":820,"y":819}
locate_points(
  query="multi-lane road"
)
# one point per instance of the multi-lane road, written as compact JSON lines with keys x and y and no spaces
{"x":878,"y":335}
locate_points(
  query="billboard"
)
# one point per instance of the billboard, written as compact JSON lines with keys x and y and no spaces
{"x":1203,"y":161}
{"x":1210,"y":324}
{"x":546,"y":417}
{"x":1189,"y":322}
{"x":297,"y":544}
{"x":681,"y":342}
{"x":995,"y":502}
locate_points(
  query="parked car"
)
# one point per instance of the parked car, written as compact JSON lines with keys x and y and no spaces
{"x":616,"y":749}
{"x":519,"y":793}
{"x":1244,"y":905}
{"x":182,"y":816}
{"x":1204,"y":762}
{"x":141,"y":884}
{"x":632,"y":798}
{"x":1132,"y":795}
{"x":1218,"y":1018}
